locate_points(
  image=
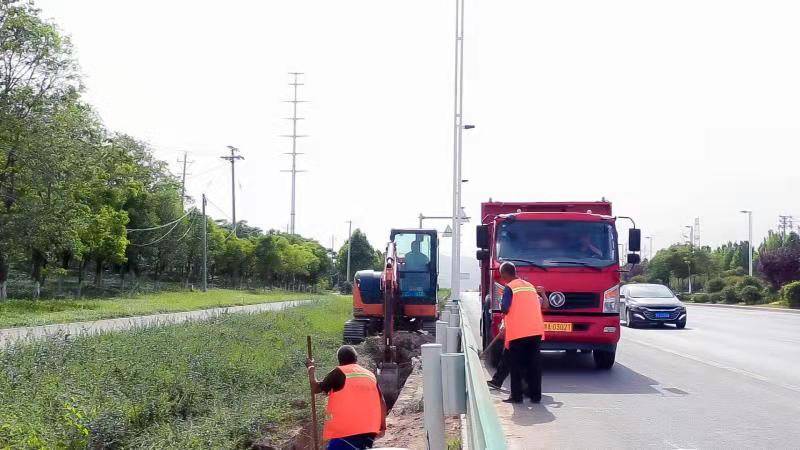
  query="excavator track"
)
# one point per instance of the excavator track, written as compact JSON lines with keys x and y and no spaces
{"x":355,"y":331}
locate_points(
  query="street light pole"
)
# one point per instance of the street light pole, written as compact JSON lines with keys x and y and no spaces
{"x":650,"y":246}
{"x":749,"y":239}
{"x":458,"y":120}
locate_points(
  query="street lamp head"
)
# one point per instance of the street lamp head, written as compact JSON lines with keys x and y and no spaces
{"x":746,"y":211}
{"x":469,"y":127}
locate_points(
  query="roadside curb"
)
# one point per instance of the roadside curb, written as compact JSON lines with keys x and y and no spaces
{"x":754,"y":308}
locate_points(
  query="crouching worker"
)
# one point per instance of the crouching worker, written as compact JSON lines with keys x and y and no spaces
{"x":356,"y":412}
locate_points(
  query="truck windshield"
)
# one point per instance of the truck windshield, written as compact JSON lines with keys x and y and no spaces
{"x":558,"y":243}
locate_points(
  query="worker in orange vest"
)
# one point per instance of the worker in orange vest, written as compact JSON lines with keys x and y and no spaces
{"x":524,"y":332}
{"x":356,"y":412}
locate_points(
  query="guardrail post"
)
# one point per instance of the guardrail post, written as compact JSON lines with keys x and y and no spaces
{"x":441,"y":332}
{"x":432,"y":395}
{"x":454,"y":386}
{"x":453,"y":339}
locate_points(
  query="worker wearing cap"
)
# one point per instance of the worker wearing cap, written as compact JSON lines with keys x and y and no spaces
{"x":524,"y":331}
{"x":356,"y":412}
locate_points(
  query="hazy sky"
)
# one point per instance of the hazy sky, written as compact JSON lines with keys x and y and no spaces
{"x":672,"y":110}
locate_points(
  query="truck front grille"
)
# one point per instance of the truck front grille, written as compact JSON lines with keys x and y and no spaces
{"x":578,"y":300}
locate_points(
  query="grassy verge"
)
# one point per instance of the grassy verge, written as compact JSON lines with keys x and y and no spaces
{"x":40,"y":312}
{"x":226,"y":383}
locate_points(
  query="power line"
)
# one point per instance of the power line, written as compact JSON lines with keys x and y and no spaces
{"x":159,"y":239}
{"x":294,"y":153}
{"x":131,"y":230}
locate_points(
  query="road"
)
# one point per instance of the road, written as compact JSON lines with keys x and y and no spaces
{"x":730,"y":380}
{"x":10,"y":335}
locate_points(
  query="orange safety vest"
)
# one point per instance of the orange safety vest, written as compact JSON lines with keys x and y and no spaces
{"x":356,"y":408}
{"x":524,"y":318}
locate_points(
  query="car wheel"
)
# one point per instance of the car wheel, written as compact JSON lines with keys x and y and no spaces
{"x":680,"y":325}
{"x":603,"y":360}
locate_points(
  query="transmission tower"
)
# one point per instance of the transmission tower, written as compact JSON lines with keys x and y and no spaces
{"x":294,"y":137}
{"x":785,"y":224}
{"x":696,"y":242}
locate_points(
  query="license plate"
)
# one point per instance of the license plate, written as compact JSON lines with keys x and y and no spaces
{"x":558,"y":326}
{"x":662,"y":315}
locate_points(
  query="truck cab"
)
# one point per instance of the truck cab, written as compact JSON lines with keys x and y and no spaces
{"x":572,"y":251}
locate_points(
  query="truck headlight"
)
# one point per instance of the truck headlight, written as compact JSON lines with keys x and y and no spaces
{"x":611,"y":300}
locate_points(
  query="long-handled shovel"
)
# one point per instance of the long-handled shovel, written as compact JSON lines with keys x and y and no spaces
{"x":314,"y":427}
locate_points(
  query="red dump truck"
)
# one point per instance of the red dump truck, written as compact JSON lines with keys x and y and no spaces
{"x":571,"y":249}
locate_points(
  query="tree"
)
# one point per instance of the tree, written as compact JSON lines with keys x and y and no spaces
{"x":781,"y":265}
{"x":678,"y":261}
{"x":363,"y":256}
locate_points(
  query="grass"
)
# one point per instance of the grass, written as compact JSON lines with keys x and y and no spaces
{"x":443,"y":295}
{"x":226,"y":383}
{"x":15,"y":313}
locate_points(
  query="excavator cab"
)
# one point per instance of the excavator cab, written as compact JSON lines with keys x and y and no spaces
{"x":417,"y":265}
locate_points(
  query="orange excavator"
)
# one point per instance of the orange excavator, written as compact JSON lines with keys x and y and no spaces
{"x":401,"y":297}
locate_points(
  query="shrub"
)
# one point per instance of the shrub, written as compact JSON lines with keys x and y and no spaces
{"x":737,"y":272}
{"x":791,"y":293}
{"x":729,"y":295}
{"x":750,"y":281}
{"x":639,"y":279}
{"x":751,"y":295}
{"x":715,"y":285}
{"x":700,"y":298}
{"x":715,"y":297}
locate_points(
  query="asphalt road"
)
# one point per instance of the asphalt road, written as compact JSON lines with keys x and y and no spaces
{"x":730,"y":380}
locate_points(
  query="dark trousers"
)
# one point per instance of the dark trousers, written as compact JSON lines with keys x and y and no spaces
{"x":525,"y":363}
{"x":358,"y":442}
{"x":501,"y":372}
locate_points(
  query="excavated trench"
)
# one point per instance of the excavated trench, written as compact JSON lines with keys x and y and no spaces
{"x":370,"y":352}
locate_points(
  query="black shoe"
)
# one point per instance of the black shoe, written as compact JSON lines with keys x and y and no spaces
{"x":493,"y":385}
{"x":512,"y":400}
{"x":536,"y":400}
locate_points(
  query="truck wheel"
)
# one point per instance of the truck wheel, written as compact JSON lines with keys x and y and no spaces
{"x":603,"y":360}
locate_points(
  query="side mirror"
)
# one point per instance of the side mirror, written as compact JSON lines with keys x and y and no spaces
{"x":634,"y":240}
{"x":634,"y":258}
{"x":482,"y":236}
{"x":482,"y":254}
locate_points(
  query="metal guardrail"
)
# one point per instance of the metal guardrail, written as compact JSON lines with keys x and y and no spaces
{"x":485,"y":431}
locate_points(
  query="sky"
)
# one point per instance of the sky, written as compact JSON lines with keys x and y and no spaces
{"x":672,"y":110}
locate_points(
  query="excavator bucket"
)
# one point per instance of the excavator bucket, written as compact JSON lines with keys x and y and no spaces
{"x":389,"y":381}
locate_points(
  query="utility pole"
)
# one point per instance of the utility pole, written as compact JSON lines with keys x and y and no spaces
{"x":294,"y":153}
{"x":183,"y":179}
{"x":458,"y":127}
{"x":205,"y":246}
{"x":349,"y":247}
{"x":233,"y":158}
{"x":749,"y":239}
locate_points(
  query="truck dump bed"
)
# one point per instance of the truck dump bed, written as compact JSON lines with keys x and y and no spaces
{"x":490,"y":209}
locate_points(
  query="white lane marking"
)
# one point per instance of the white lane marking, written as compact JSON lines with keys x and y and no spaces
{"x":718,"y":365}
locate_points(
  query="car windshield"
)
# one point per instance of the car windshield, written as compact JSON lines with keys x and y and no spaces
{"x":557,"y":243}
{"x":652,"y":291}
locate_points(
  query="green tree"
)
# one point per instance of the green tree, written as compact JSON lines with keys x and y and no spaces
{"x":363,"y":256}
